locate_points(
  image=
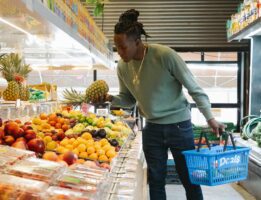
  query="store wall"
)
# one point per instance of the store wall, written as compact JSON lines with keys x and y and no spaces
{"x":183,"y":25}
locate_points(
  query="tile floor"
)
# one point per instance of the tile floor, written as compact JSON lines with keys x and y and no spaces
{"x":222,"y":192}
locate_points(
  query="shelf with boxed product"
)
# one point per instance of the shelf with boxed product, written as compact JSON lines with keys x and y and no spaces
{"x":39,"y":34}
{"x":253,"y":29}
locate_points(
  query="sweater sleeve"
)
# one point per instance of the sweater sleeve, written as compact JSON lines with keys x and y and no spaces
{"x":181,"y":72}
{"x":124,"y":99}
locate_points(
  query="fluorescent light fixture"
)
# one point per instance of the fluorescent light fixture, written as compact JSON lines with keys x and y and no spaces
{"x":15,"y":27}
{"x":211,"y":67}
{"x":61,"y":39}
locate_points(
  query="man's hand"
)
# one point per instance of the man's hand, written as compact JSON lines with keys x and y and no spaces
{"x":103,"y":99}
{"x":216,"y":126}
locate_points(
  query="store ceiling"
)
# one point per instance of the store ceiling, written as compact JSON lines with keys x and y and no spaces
{"x":183,"y":25}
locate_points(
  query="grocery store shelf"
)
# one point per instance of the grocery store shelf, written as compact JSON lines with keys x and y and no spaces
{"x":44,"y":39}
{"x":255,"y":153}
{"x":251,"y":30}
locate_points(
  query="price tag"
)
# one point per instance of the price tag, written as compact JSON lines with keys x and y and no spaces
{"x":18,"y":103}
{"x":102,"y":111}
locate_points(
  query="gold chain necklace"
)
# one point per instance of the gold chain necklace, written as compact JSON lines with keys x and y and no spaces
{"x":135,"y":79}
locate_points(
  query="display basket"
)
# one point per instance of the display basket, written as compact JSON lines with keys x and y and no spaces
{"x":217,"y":165}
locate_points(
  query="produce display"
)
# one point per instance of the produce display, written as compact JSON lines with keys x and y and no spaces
{"x":68,"y":152}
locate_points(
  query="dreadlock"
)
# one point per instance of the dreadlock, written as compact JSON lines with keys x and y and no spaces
{"x":129,"y":25}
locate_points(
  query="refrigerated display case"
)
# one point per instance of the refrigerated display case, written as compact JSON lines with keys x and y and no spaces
{"x":253,"y":32}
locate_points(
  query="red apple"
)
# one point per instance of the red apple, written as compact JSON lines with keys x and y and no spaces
{"x":117,"y":148}
{"x":70,"y":157}
{"x":2,"y":132}
{"x":18,"y":121}
{"x":54,"y":137}
{"x":28,"y":123}
{"x":26,"y":127}
{"x":2,"y":141}
{"x":60,"y":135}
{"x":36,"y":145}
{"x":29,"y":134}
{"x":20,"y":144}
{"x":11,"y":128}
{"x":9,"y":140}
{"x":18,"y":134}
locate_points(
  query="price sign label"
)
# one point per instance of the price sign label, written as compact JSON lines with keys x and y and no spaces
{"x":102,"y":111}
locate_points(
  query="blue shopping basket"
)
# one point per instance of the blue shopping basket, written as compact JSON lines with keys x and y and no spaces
{"x":217,"y":165}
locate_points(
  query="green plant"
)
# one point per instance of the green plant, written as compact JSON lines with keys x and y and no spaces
{"x":99,"y":6}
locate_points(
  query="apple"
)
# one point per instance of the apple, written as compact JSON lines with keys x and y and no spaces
{"x":28,"y":123}
{"x":9,"y":140}
{"x":29,"y":134}
{"x":36,"y":145}
{"x":54,"y":137}
{"x":70,"y":157}
{"x":18,"y":121}
{"x":26,"y":127}
{"x":20,"y":144}
{"x":2,"y":132}
{"x":18,"y":134}
{"x":60,"y":135}
{"x":65,"y":127}
{"x":11,"y":128}
{"x":2,"y":141}
{"x":117,"y":148}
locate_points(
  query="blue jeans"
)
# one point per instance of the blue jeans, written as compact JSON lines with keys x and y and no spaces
{"x":157,"y":139}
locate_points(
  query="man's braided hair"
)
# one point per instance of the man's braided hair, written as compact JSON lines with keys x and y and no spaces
{"x":128,"y":24}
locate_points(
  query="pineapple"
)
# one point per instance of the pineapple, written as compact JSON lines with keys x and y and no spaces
{"x":15,"y":72}
{"x":24,"y":93}
{"x":12,"y":91}
{"x":73,"y":97}
{"x":96,"y":90}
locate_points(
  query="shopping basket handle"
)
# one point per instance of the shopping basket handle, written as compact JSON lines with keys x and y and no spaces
{"x":200,"y":139}
{"x":222,"y":134}
{"x":228,"y":134}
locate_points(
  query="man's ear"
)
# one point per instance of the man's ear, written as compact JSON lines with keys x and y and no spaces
{"x":138,"y":42}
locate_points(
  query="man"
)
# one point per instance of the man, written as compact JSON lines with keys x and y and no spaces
{"x":152,"y":76}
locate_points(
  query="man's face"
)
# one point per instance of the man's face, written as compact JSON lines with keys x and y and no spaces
{"x":126,"y":46}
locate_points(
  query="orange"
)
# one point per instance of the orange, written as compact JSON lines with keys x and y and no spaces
{"x":86,"y":136}
{"x":93,"y":156}
{"x":103,"y":158}
{"x":91,"y":150}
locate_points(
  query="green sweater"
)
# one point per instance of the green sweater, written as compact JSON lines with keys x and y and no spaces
{"x":159,"y":93}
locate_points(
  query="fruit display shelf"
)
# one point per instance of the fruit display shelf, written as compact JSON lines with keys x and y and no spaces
{"x":128,"y":172}
{"x":24,"y":110}
{"x":96,"y":145}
